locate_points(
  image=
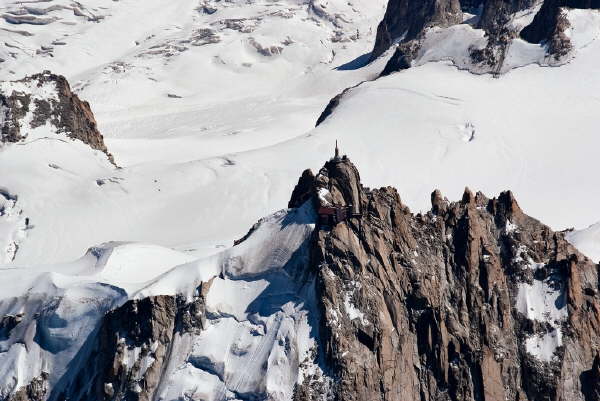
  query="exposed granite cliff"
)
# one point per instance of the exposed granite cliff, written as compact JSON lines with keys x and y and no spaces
{"x":495,"y":21}
{"x":405,"y":20}
{"x":55,"y":104}
{"x":473,"y":300}
{"x":550,"y":23}
{"x":132,"y":348}
{"x":496,"y":13}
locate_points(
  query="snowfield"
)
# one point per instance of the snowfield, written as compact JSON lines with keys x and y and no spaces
{"x":177,"y":99}
{"x":211,"y":130}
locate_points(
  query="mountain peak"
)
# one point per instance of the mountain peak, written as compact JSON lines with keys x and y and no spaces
{"x":335,"y":189}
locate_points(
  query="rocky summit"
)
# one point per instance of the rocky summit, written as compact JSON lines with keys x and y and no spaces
{"x":405,"y":20}
{"x":473,"y":300}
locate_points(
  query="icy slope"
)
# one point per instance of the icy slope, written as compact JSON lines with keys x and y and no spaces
{"x":532,"y":130}
{"x":260,"y":318}
{"x":258,"y":306}
{"x":587,"y":240}
{"x":56,"y":307}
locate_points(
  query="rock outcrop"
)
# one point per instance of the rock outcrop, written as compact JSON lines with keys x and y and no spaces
{"x":46,"y":99}
{"x":496,"y":13}
{"x":591,"y":381}
{"x":405,"y":20}
{"x":303,"y":190}
{"x":550,"y":23}
{"x":473,"y":300}
{"x":132,"y":349}
{"x":333,"y":104}
{"x":402,"y":57}
{"x":495,"y":21}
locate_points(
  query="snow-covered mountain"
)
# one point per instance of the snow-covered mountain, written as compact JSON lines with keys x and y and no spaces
{"x":148,"y":136}
{"x":472,"y":298}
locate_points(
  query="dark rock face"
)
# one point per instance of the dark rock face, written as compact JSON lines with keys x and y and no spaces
{"x":494,"y":19}
{"x":550,"y":24}
{"x":333,"y":103}
{"x":496,"y":13}
{"x":69,"y":114}
{"x":7,"y":324}
{"x":303,"y":190}
{"x":132,"y":349}
{"x":398,"y":62}
{"x":14,"y":108}
{"x":441,"y":306}
{"x":590,"y":381}
{"x":402,"y":58}
{"x":470,"y":5}
{"x":407,"y":19}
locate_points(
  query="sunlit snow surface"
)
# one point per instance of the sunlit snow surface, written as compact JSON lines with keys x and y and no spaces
{"x":260,"y":310}
{"x":178,"y":97}
{"x":587,"y":241}
{"x":212,"y":136}
{"x":544,"y":301}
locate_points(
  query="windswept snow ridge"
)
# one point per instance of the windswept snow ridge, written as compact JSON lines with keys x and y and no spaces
{"x":260,"y":312}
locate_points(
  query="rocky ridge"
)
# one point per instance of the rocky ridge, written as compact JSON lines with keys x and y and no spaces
{"x":473,"y":300}
{"x":406,"y":22}
{"x":132,"y":348}
{"x":550,"y":23}
{"x":476,"y":35}
{"x":42,"y":100}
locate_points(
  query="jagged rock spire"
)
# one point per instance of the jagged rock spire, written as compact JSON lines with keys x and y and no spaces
{"x":337,"y":184}
{"x":436,"y":306}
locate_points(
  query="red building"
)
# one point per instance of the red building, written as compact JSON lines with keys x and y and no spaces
{"x":332,"y":215}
